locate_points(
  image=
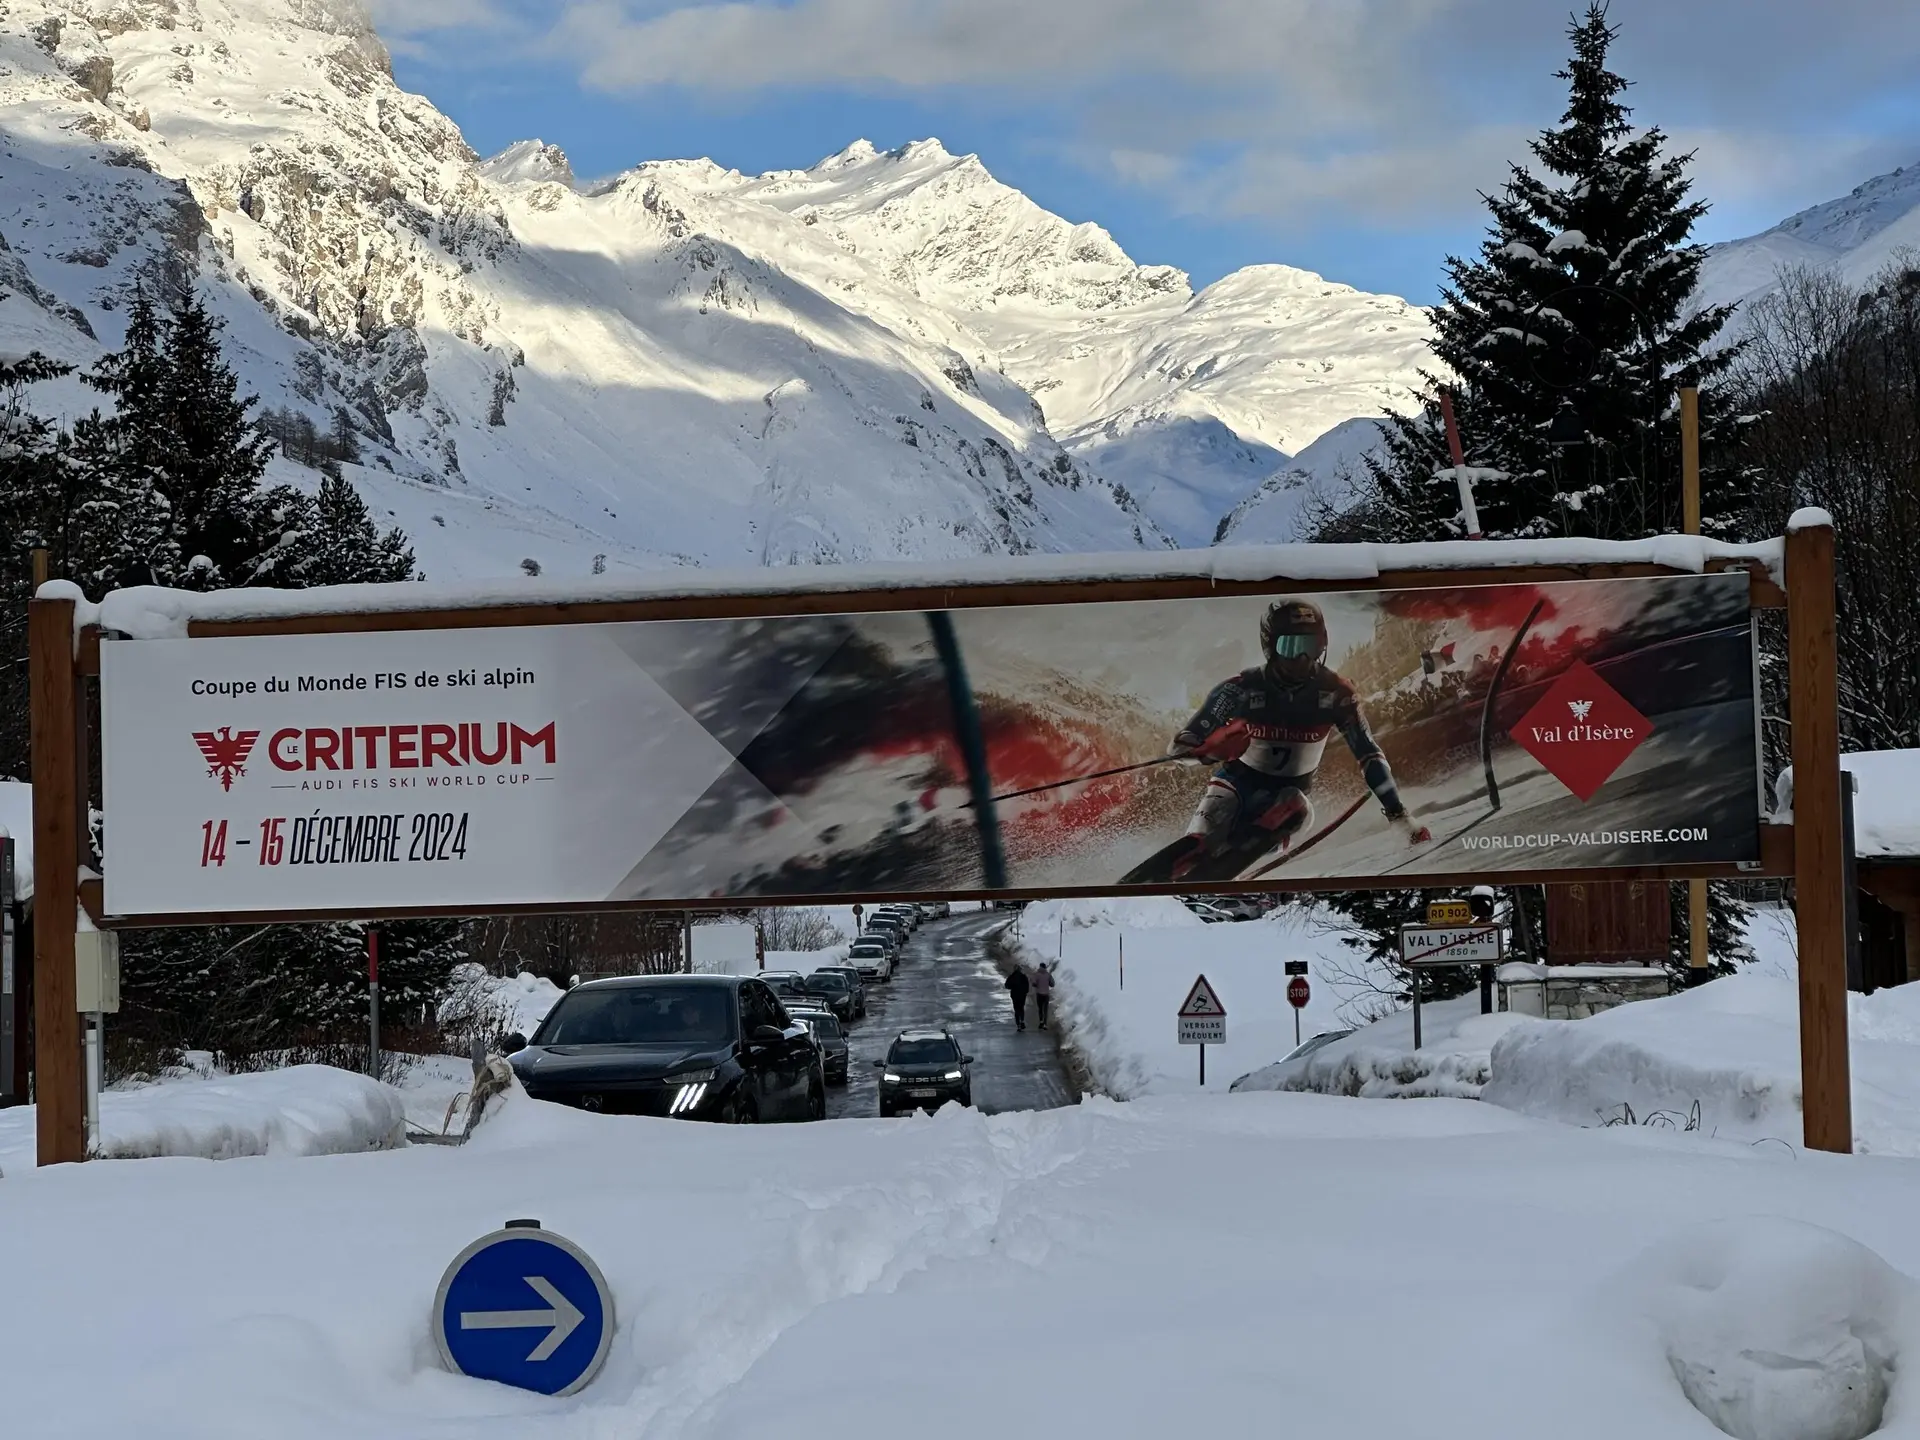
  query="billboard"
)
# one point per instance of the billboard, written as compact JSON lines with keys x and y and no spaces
{"x":1469,"y":730}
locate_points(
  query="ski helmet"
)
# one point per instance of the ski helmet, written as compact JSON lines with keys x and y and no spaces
{"x":1293,"y":635}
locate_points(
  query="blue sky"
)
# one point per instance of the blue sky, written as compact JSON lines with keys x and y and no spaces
{"x":1346,"y":136}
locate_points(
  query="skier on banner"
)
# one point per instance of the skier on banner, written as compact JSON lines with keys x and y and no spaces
{"x":1266,"y":728}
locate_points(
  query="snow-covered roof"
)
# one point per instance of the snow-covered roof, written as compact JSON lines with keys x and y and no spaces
{"x":1886,"y":802}
{"x":16,"y":819}
{"x":151,"y":612}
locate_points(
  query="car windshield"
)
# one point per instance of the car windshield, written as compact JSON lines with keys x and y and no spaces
{"x":923,"y":1052}
{"x":641,"y":1015}
{"x":875,"y":951}
{"x":825,"y":1026}
{"x":827,"y":982}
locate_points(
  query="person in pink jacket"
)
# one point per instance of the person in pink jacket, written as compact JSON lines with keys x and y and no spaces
{"x":1042,"y":992}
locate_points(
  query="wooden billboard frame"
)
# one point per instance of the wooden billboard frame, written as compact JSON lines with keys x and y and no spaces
{"x":66,"y":657}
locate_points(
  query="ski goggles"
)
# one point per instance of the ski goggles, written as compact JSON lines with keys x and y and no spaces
{"x":1294,"y":647}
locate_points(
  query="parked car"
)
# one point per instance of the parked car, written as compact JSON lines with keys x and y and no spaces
{"x":854,"y":978}
{"x":693,"y":1047}
{"x":907,"y":915}
{"x":871,"y":958}
{"x":1273,"y":1077}
{"x":1208,"y":912}
{"x":790,"y":987}
{"x":924,"y":1069}
{"x":887,"y":928}
{"x":836,"y":990}
{"x":888,"y":940}
{"x":935,"y":909}
{"x":832,"y":1040}
{"x":778,"y":977}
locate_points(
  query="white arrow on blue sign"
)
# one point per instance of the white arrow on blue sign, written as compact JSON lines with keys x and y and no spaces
{"x":525,"y":1307}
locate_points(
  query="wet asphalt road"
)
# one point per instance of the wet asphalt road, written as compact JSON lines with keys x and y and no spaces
{"x":946,"y":977}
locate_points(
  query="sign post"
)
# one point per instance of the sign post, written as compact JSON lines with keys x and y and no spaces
{"x":1203,"y":1021}
{"x":1298,"y":993}
{"x":9,"y":980}
{"x":525,"y":1307}
{"x":373,"y":1003}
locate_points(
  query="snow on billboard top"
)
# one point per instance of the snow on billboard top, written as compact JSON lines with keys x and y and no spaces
{"x":155,"y":613}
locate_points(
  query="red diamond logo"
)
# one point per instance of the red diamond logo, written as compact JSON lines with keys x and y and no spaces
{"x":1582,"y":730}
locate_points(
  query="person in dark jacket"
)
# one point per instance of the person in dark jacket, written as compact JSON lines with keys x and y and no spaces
{"x":1017,"y":988}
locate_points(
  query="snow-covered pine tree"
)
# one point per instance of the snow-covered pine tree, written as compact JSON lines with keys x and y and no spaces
{"x":180,"y":427}
{"x":1576,"y":307}
{"x":96,"y":533}
{"x":339,"y":544}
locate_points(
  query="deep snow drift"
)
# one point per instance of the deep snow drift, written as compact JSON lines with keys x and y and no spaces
{"x":1087,"y":1271}
{"x":302,"y":1110}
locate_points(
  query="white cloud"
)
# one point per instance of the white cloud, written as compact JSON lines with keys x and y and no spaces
{"x":1383,"y":112}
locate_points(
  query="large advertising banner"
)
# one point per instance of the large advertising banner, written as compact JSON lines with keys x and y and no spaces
{"x":1459,"y":731}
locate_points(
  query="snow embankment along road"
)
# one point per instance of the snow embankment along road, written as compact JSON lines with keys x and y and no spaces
{"x":1127,"y":1032}
{"x":1732,"y":1048}
{"x":303,"y":1110}
{"x":1086,"y":1271}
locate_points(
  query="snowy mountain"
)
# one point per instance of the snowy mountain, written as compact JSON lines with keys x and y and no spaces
{"x":1317,"y":481}
{"x":680,"y":365}
{"x":1855,"y":237}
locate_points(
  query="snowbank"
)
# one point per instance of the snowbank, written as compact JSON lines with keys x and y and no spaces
{"x":1125,"y":1027}
{"x":516,"y":1003}
{"x":1775,"y":1330}
{"x":1732,"y":1048}
{"x":807,"y":961}
{"x":303,"y":1110}
{"x":1094,"y":1270}
{"x":1378,"y":1061}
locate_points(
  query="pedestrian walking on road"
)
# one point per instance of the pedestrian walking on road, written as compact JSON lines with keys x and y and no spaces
{"x":1017,"y":988}
{"x":1042,"y":992}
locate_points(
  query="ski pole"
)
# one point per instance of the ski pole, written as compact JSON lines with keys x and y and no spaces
{"x":1082,"y":779}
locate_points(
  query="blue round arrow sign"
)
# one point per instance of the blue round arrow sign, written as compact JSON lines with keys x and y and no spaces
{"x":525,"y":1307}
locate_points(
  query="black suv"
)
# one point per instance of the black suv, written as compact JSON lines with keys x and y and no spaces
{"x":923,"y":1070}
{"x":834,"y":991}
{"x":692,"y":1047}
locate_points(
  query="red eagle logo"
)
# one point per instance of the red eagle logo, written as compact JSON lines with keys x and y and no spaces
{"x":226,"y":753}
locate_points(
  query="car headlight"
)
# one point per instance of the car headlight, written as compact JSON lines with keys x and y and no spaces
{"x":953,"y":1075}
{"x":688,"y":1097}
{"x":889,"y":1077}
{"x":692,"y":1077}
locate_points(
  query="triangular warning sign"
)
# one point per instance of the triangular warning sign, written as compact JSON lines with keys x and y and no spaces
{"x":1201,"y":1001}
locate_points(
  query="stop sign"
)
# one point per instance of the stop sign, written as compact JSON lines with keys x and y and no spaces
{"x":1298,"y":992}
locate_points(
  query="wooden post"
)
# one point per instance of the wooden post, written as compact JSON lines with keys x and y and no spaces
{"x":1820,"y":902}
{"x":1689,"y":460}
{"x":1698,"y":959}
{"x":58,"y":800}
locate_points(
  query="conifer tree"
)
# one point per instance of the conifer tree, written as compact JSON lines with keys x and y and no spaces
{"x":338,"y":543}
{"x":1572,"y":324}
